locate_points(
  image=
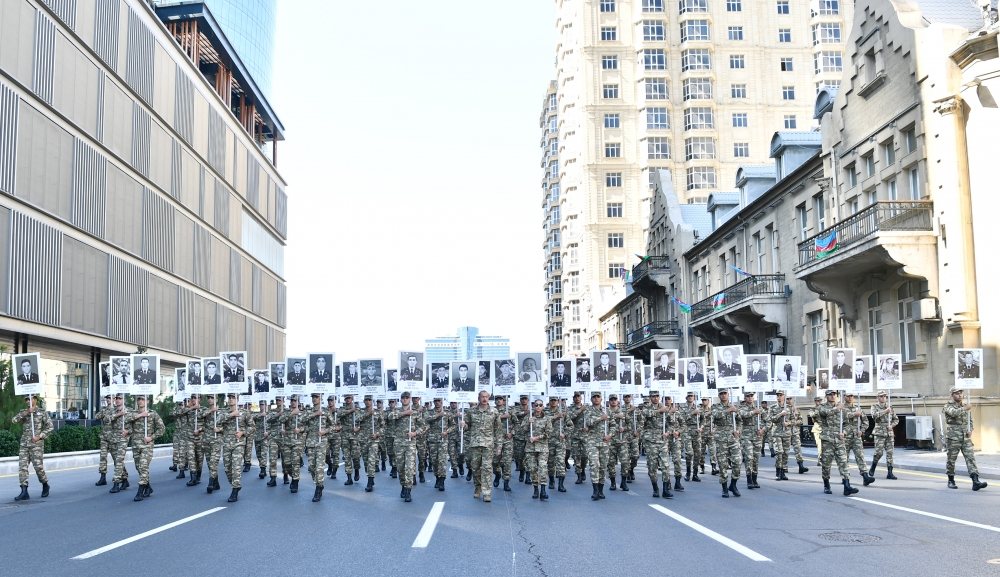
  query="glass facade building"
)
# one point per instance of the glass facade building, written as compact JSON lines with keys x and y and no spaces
{"x":467,"y":344}
{"x":249,"y":26}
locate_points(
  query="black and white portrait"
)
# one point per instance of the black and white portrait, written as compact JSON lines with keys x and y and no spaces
{"x":321,"y":368}
{"x":729,"y":365}
{"x":529,"y":367}
{"x":352,"y":375}
{"x":411,"y":366}
{"x":693,"y":373}
{"x":624,"y":371}
{"x":462,"y":378}
{"x":194,"y":376}
{"x":295,"y":371}
{"x":605,"y":366}
{"x":27,"y":370}
{"x":560,"y":371}
{"x":211,"y":380}
{"x":637,"y":371}
{"x":261,"y":383}
{"x":145,"y":375}
{"x":647,"y":377}
{"x":890,"y":371}
{"x":105,"y":369}
{"x":582,"y":373}
{"x":392,"y":376}
{"x":277,"y":378}
{"x":180,"y":385}
{"x":664,"y":365}
{"x":842,"y":368}
{"x":758,"y":373}
{"x":234,"y":368}
{"x":862,"y":374}
{"x":484,"y":376}
{"x":504,"y":376}
{"x":711,"y":383}
{"x":371,"y":372}
{"x":822,"y":379}
{"x":439,"y":376}
{"x":786,"y":372}
{"x":968,"y":368}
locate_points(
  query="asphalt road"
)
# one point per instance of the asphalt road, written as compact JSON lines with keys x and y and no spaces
{"x":787,"y":527}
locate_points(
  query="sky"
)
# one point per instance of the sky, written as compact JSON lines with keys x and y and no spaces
{"x":412,"y":162}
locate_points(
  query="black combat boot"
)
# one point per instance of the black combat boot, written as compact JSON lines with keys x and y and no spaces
{"x":173,"y":467}
{"x":600,"y":490}
{"x":826,"y":487}
{"x":148,"y":491}
{"x":461,"y":468}
{"x":441,"y":486}
{"x":976,"y":485}
{"x":180,"y":474}
{"x":506,"y":485}
{"x":139,"y":494}
{"x":562,"y":488}
{"x":695,"y":477}
{"x":318,"y":494}
{"x":890,"y":475}
{"x":102,"y":481}
{"x":193,"y":480}
{"x":496,"y":480}
{"x":552,"y":482}
{"x":871,"y":470}
{"x":579,"y":479}
{"x":454,"y":472}
{"x":421,"y":475}
{"x":211,"y":485}
{"x":115,"y":488}
{"x":756,"y":485}
{"x":951,"y":482}
{"x":732,"y":487}
{"x":246,"y":467}
{"x":714,"y":470}
{"x":614,"y":486}
{"x":357,"y":470}
{"x":334,"y":475}
{"x":624,"y":486}
{"x":868,"y":479}
{"x":666,"y":490}
{"x":125,"y":483}
{"x":725,"y":491}
{"x":263,"y":473}
{"x":24,"y":494}
{"x":383,"y":464}
{"x":803,"y":468}
{"x":687,"y":475}
{"x":543,"y":495}
{"x":677,"y":484}
{"x":273,"y":482}
{"x":520,"y":476}
{"x":749,"y":480}
{"x":349,"y":481}
{"x":656,"y":490}
{"x":329,"y":469}
{"x":527,"y":478}
{"x":294,"y":488}
{"x":408,"y":498}
{"x":777,"y":473}
{"x":392,"y":473}
{"x":848,"y":489}
{"x":468,"y":475}
{"x":234,"y":496}
{"x":762,"y":451}
{"x":784,"y":474}
{"x":594,"y":496}
{"x":535,"y":494}
{"x":285,"y":479}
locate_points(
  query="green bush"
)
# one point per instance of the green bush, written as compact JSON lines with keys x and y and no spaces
{"x":71,"y":438}
{"x":168,"y":436}
{"x":9,"y":444}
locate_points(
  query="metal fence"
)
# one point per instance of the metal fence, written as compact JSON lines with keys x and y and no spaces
{"x":762,"y":284}
{"x":652,"y":329}
{"x":887,"y":215}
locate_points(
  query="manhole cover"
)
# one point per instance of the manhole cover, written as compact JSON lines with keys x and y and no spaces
{"x":850,"y":537}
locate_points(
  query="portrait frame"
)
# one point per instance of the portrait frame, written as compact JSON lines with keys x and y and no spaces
{"x":145,"y":381}
{"x":969,"y":376}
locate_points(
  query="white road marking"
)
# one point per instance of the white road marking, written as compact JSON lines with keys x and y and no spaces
{"x":424,"y":537}
{"x":710,"y":533}
{"x":115,"y":545}
{"x":936,"y":516}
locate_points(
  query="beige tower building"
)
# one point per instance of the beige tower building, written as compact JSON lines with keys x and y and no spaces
{"x":696,"y":86}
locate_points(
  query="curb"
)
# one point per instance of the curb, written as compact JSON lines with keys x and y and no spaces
{"x":57,"y":461}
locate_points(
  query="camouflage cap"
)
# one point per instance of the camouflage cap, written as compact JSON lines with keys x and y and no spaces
{"x":369,"y":398}
{"x":779,"y":393}
{"x":595,"y":394}
{"x":831,"y":392}
{"x":881,"y":393}
{"x":848,"y":394}
{"x":956,"y":390}
{"x":818,"y":398}
{"x":749,"y":394}
{"x":612,"y":397}
{"x":723,"y":392}
{"x":316,"y":395}
{"x":404,"y":395}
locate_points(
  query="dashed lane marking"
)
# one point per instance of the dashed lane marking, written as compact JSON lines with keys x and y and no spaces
{"x":427,"y":531}
{"x":118,"y":544}
{"x":712,"y":534}
{"x":926,"y":514}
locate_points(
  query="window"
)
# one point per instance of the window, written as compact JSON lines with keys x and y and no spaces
{"x":656,"y":88}
{"x":553,"y":123}
{"x":741,"y":149}
{"x":737,"y":61}
{"x":574,"y":310}
{"x":803,"y":222}
{"x":609,"y":33}
{"x":826,"y":84}
{"x":696,"y":288}
{"x":782,"y":6}
{"x":698,"y":118}
{"x":609,"y":62}
{"x":653,"y":59}
{"x":873,"y":196}
{"x":612,"y":121}
{"x":615,"y":269}
{"x":852,"y":176}
{"x":573,"y":259}
{"x":652,"y":5}
{"x":611,"y":91}
{"x":829,"y":7}
{"x":554,"y":218}
{"x":820,"y":207}
{"x":788,"y":93}
{"x":817,"y":340}
{"x":875,"y":337}
{"x":910,"y":137}
{"x":740,"y":120}
{"x":658,"y":148}
{"x":784,"y":34}
{"x":697,"y":89}
{"x":554,"y":146}
{"x":552,"y":102}
{"x":826,"y":33}
{"x":693,"y":6}
{"x":786,"y":65}
{"x":734,"y":6}
{"x":612,"y":179}
{"x":652,"y":31}
{"x":555,"y":238}
{"x":790,"y":123}
{"x":891,"y":190}
{"x":889,"y":152}
{"x":656,"y":119}
{"x":554,"y":190}
{"x":614,"y":210}
{"x":696,"y":59}
{"x":699,"y":148}
{"x":607,"y":5}
{"x":759,"y":243}
{"x":869,"y":161}
{"x":906,"y":294}
{"x":738,"y":91}
{"x":775,"y":263}
{"x":694,"y":30}
{"x":828,"y":62}
{"x":650,"y":178}
{"x":616,"y":240}
{"x":736,"y":33}
{"x":554,"y":168}
{"x":915,"y":193}
{"x":700,"y":177}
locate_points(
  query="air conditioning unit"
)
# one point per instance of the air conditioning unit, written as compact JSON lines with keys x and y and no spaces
{"x":776,"y":346}
{"x":925,"y":310}
{"x":919,"y":428}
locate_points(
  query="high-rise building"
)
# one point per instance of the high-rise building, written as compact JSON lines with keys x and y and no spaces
{"x":466,"y":345}
{"x":696,"y":86}
{"x":137,"y":205}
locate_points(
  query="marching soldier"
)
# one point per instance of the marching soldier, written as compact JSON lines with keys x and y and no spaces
{"x":144,"y":426}
{"x":728,"y":453}
{"x":690,"y":414}
{"x":632,"y":433}
{"x":177,"y":454}
{"x":817,"y":428}
{"x":347,"y":420}
{"x":674,"y":440}
{"x":36,"y":426}
{"x":520,"y":412}
{"x":483,"y":425}
{"x":273,"y":439}
{"x":579,"y":444}
{"x":439,"y":426}
{"x":537,"y":428}
{"x":390,"y":438}
{"x":213,"y":442}
{"x":958,"y":437}
{"x":382,"y":444}
{"x":658,"y":424}
{"x":195,"y":446}
{"x":832,"y":417}
{"x":457,"y":459}
{"x":505,"y":445}
{"x":852,"y":437}
{"x":371,"y":425}
{"x":795,"y":418}
{"x":597,"y":426}
{"x":104,"y":416}
{"x":421,"y":440}
{"x":334,"y":440}
{"x":781,"y":421}
{"x":753,"y":424}
{"x":293,"y":443}
{"x":118,"y":443}
{"x":885,"y":419}
{"x":618,"y":450}
{"x":561,"y":426}
{"x":259,"y":419}
{"x":408,"y":425}
{"x":316,"y":423}
{"x":236,"y":426}
{"x":249,"y":440}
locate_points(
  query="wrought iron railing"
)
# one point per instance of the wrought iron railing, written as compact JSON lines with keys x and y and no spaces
{"x":887,"y":215}
{"x":647,"y":332}
{"x":758,"y":285}
{"x":654,"y":263}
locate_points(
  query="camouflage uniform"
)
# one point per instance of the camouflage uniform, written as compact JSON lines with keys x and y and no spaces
{"x":518,"y":413}
{"x":597,"y":448}
{"x":233,"y":448}
{"x":274,"y":439}
{"x":781,"y":435}
{"x":117,"y":443}
{"x":104,"y":416}
{"x":178,"y":456}
{"x":437,"y":445}
{"x":557,"y":447}
{"x":406,"y":447}
{"x":708,"y":440}
{"x":795,"y":418}
{"x":421,"y":440}
{"x":316,"y":448}
{"x":30,"y":450}
{"x":383,"y":441}
{"x":618,"y":451}
{"x":369,"y":446}
{"x":578,"y":442}
{"x":258,"y":438}
{"x":501,"y":462}
{"x":485,"y":431}
{"x":852,"y":438}
{"x":248,"y":445}
{"x":728,"y":453}
{"x":196,"y":445}
{"x":833,"y":445}
{"x":751,"y":439}
{"x":691,"y":436}
{"x":885,"y":420}
{"x":633,"y":431}
{"x":292,"y":444}
{"x":334,"y":443}
{"x":212,"y":441}
{"x":349,"y":439}
{"x":142,"y":452}
{"x":655,"y":425}
{"x":536,"y":454}
{"x":958,"y":422}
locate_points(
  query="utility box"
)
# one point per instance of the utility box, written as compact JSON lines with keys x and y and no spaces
{"x":919,"y":428}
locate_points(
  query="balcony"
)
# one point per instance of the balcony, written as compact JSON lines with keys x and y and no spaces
{"x":745,"y":313}
{"x":651,"y":275}
{"x":893,"y":239}
{"x":656,"y":335}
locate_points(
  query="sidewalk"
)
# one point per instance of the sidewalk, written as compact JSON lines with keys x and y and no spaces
{"x":927,"y":461}
{"x":56,"y":461}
